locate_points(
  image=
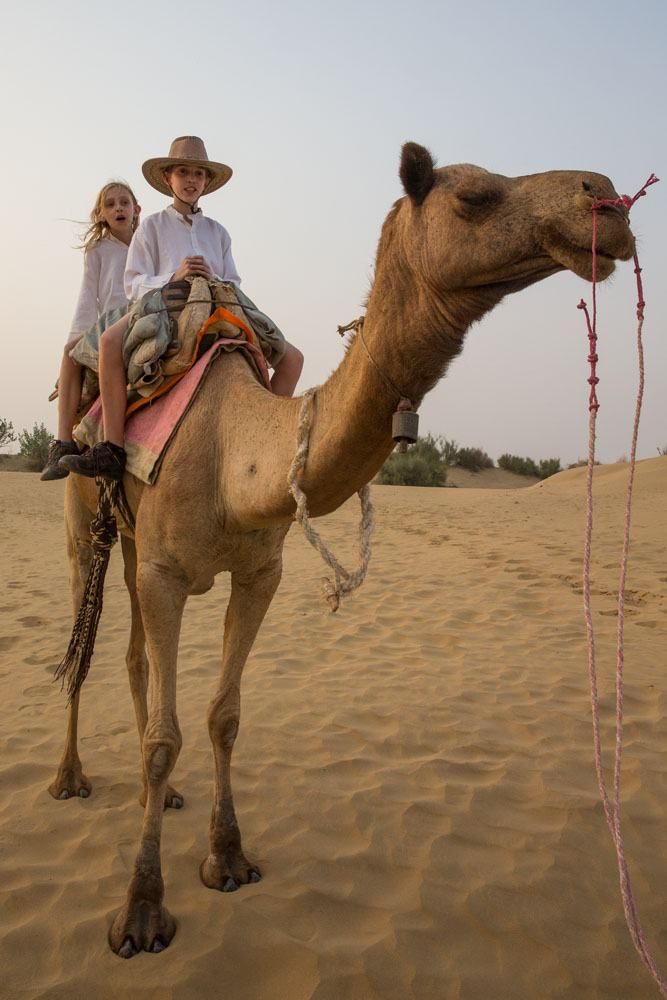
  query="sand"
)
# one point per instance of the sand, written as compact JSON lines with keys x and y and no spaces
{"x":414,"y":774}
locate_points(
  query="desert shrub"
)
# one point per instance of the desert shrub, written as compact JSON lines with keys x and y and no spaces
{"x":663,"y":450}
{"x":35,"y":444}
{"x":548,"y":467}
{"x":7,"y":434}
{"x":422,"y":465}
{"x":527,"y":467}
{"x":520,"y":466}
{"x":473,"y":459}
{"x":448,"y":449}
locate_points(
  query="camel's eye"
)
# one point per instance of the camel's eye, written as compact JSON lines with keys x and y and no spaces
{"x":478,"y":199}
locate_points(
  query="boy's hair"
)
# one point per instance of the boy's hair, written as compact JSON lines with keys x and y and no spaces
{"x":98,"y":228}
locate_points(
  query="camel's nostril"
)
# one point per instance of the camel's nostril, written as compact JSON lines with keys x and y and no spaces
{"x":586,"y":186}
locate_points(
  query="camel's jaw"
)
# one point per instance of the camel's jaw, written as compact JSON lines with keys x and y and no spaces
{"x":614,"y":242}
{"x":580,"y":261}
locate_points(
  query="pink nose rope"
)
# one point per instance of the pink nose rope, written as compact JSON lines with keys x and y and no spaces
{"x":613,"y":810}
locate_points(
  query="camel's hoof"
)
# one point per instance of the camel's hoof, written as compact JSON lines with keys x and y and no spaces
{"x":228,"y":874}
{"x":172,"y":799}
{"x":70,"y":784}
{"x":127,"y":949}
{"x":141,"y":926}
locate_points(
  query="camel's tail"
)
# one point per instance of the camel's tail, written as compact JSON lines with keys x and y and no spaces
{"x":74,"y":666}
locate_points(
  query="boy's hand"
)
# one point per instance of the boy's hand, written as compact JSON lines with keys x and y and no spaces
{"x":192,"y":267}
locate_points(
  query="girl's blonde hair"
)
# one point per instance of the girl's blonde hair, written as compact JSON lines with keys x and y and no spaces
{"x":98,"y":228}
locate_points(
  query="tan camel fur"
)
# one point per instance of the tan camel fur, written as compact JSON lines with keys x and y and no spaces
{"x":460,"y":240}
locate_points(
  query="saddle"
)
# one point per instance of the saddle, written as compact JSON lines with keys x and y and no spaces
{"x":202,"y":312}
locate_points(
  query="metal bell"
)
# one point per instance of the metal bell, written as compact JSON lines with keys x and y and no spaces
{"x":404,"y":426}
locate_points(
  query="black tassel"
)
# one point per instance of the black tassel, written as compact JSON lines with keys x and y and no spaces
{"x":74,"y":666}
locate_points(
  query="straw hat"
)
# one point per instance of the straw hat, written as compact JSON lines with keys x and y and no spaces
{"x":191,"y":151}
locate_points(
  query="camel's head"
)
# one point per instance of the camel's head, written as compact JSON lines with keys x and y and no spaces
{"x":466,"y":228}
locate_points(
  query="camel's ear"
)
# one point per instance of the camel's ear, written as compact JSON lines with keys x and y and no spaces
{"x":416,"y":171}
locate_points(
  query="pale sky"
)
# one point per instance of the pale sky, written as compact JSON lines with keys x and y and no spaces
{"x":310,"y":102}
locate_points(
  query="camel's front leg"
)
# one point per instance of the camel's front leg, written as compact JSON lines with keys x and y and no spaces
{"x":70,"y":780}
{"x":144,"y":923}
{"x":137,"y":664}
{"x":226,"y":866}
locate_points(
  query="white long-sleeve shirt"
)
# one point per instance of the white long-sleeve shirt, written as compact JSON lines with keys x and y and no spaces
{"x":102,"y":284}
{"x":163,"y":240}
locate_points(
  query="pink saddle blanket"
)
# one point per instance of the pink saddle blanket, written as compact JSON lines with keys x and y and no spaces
{"x":150,"y":430}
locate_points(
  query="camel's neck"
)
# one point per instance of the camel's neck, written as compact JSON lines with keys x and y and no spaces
{"x":407,"y":341}
{"x":402,"y":349}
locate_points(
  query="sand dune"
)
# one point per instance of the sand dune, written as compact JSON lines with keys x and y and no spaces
{"x":414,"y":775}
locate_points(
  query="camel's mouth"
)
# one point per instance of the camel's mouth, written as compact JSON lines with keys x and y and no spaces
{"x":580,"y":262}
{"x":615,"y":242}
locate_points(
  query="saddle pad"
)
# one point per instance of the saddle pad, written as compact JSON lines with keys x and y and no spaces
{"x":150,"y":430}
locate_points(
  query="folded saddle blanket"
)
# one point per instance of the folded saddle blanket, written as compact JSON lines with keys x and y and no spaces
{"x":167,"y":361}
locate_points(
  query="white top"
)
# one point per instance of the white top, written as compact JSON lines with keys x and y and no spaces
{"x":102,"y":285}
{"x":164,"y":239}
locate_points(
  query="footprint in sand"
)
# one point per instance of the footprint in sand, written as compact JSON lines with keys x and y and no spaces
{"x":32,"y":621}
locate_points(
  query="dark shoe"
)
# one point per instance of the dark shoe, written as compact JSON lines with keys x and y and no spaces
{"x":105,"y":460}
{"x":57,"y":451}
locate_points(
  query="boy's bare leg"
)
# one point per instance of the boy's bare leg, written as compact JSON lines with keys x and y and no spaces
{"x":287,"y":372}
{"x":113,"y":381}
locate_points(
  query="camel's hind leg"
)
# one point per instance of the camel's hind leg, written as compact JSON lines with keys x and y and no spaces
{"x":70,"y":779}
{"x":143,"y":923}
{"x":226,"y":867}
{"x":137,"y":663}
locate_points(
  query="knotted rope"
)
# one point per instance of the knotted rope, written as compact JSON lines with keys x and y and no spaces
{"x":345,"y":582}
{"x":74,"y":666}
{"x":612,"y":810}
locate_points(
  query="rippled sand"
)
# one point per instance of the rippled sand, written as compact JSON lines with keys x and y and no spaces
{"x":414,"y":775}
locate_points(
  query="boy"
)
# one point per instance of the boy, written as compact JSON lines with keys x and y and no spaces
{"x":172,"y":245}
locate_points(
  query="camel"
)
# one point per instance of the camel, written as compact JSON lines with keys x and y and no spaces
{"x":458,"y":241}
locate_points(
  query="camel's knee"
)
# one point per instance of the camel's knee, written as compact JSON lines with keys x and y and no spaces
{"x":160,"y":748}
{"x":223,"y":721}
{"x":160,"y":757}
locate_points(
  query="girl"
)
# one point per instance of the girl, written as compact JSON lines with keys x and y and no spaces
{"x":113,"y":220}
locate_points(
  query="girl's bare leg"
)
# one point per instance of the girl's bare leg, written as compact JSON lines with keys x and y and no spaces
{"x":69,"y":392}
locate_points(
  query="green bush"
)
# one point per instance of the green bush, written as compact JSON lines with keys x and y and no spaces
{"x":520,"y":466}
{"x":549,"y":467}
{"x":448,"y":449}
{"x":35,"y":444}
{"x":527,"y":467}
{"x":422,"y":465}
{"x":473,"y":459}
